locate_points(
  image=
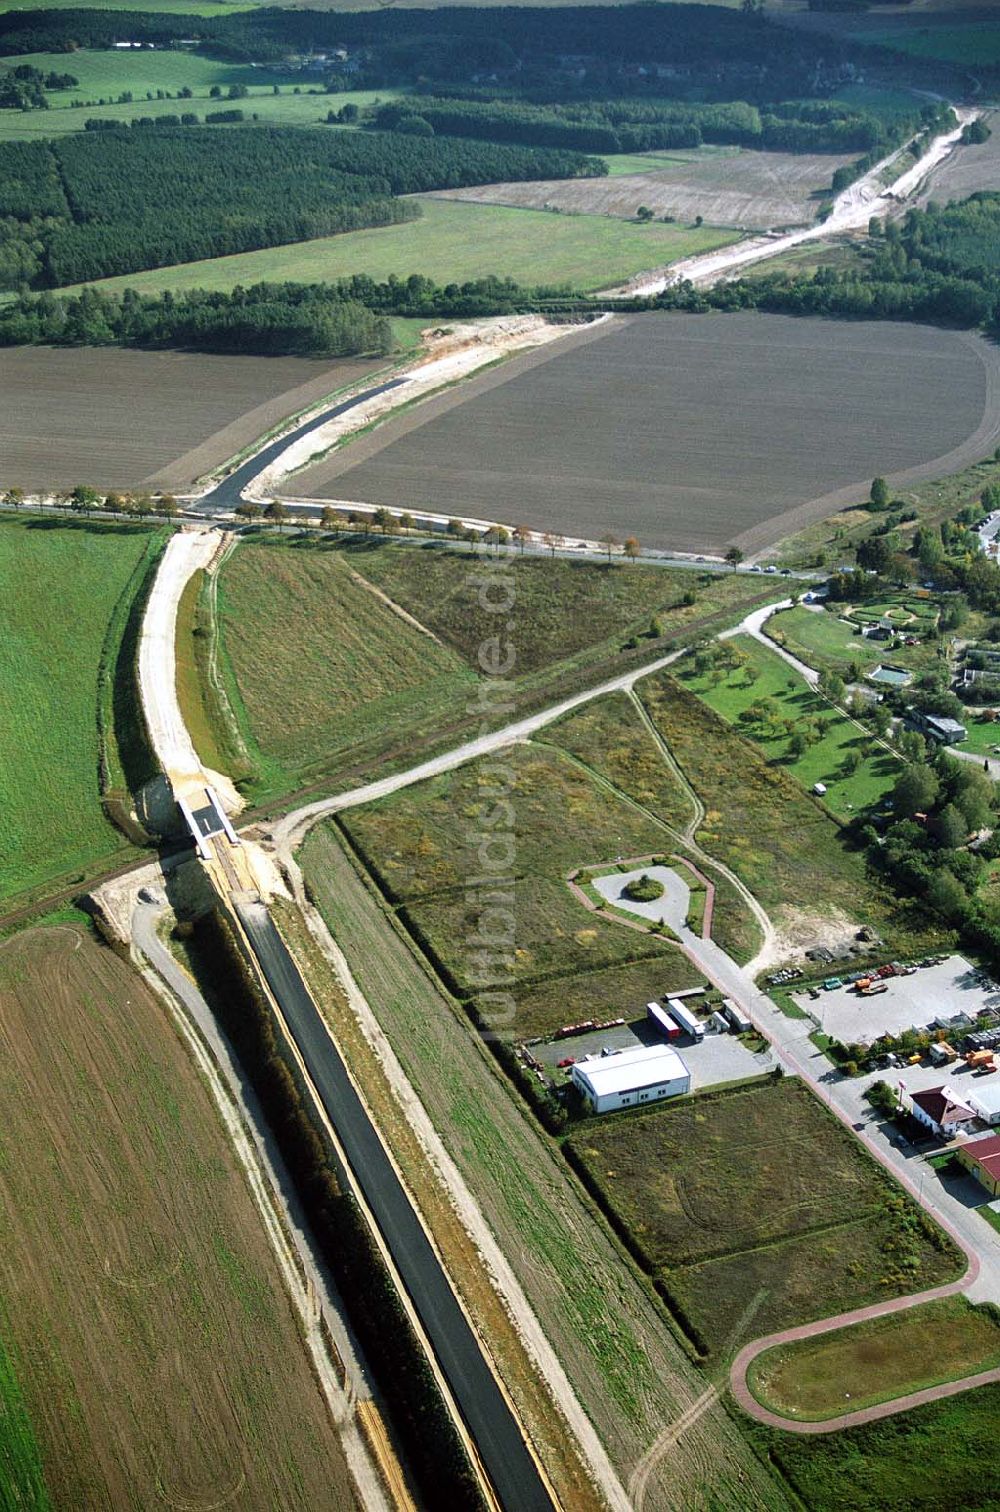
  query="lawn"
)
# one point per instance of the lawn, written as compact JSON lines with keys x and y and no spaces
{"x":877,"y":1361}
{"x":761,"y":822}
{"x":452,"y":242}
{"x":828,"y":641}
{"x":770,"y":702}
{"x":918,"y":1461}
{"x":971,"y":45}
{"x":141,"y":1299}
{"x":319,"y":665}
{"x":604,"y":993}
{"x":52,"y":828}
{"x":627,"y":1369}
{"x":737,"y":1179}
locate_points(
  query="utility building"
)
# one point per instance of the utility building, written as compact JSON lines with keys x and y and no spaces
{"x":631,"y":1078}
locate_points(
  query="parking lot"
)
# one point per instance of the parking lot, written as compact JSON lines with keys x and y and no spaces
{"x":909,"y":1002}
{"x":717,"y":1058}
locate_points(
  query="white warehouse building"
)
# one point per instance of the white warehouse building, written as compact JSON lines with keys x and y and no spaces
{"x":631,"y":1078}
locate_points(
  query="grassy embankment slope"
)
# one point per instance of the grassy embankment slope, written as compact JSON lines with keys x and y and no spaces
{"x":51,"y":823}
{"x":141,"y":1299}
{"x":873,"y":1362}
{"x":454,"y":242}
{"x":349,"y":685}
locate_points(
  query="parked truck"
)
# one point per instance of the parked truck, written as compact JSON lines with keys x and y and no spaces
{"x":661,"y":1020}
{"x":686,"y":1019}
{"x":977,"y":1058}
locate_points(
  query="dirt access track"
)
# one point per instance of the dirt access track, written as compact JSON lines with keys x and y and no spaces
{"x":688,"y":431}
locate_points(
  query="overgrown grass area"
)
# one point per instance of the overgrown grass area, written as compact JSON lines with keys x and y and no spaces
{"x":748,"y":1205}
{"x":319,"y":665}
{"x":877,"y":1361}
{"x":761,"y":823}
{"x":426,"y":844}
{"x":22,"y":1482}
{"x":560,"y":609}
{"x":773,"y":705}
{"x":328,"y":680}
{"x":59,"y":683}
{"x":452,"y":242}
{"x":629,"y":1372}
{"x":917,"y":1461}
{"x":141,"y":1300}
{"x":609,"y":992}
{"x":611,"y":739}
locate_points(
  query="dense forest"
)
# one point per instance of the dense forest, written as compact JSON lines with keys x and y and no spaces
{"x":682,"y":47}
{"x":266,"y":320}
{"x":107,"y":202}
{"x":644,"y":126}
{"x":938,"y":264}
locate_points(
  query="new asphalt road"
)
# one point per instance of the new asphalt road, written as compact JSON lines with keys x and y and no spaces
{"x":225,"y":496}
{"x":502,"y":1449}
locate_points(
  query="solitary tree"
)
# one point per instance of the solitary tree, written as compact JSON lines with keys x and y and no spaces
{"x":83,"y":499}
{"x":114,"y":503}
{"x":14,"y":497}
{"x":457,"y":528}
{"x":879,"y":496}
{"x":247,"y":509}
{"x":610,"y":544}
{"x":734,"y":556}
{"x":553,"y":541}
{"x":644,"y":213}
{"x":631,"y":548}
{"x":522,"y":535}
{"x":167,"y":506}
{"x":472,"y":536}
{"x":407,"y":522}
{"x":276,"y":513}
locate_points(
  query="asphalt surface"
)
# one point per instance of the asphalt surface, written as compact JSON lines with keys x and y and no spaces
{"x":507,"y":1460}
{"x":226,"y":495}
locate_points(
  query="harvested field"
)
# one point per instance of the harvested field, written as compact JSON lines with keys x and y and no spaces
{"x":130,"y":419}
{"x":685,"y":430}
{"x":159,"y":1358}
{"x":734,"y":1179}
{"x":727,"y":186}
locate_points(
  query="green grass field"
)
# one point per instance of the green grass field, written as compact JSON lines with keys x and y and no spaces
{"x":679,"y":1182}
{"x":827,"y":641}
{"x":622,"y":163}
{"x":51,"y":822}
{"x":918,"y":1461}
{"x":22,"y":1483}
{"x":786,"y":704}
{"x":877,"y":1361}
{"x":453,"y":242}
{"x":970,"y":44}
{"x":107,"y":75}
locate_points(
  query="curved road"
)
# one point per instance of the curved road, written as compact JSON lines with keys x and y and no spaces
{"x":224,"y":497}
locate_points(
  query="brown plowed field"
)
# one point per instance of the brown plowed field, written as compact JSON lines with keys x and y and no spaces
{"x":689,"y":431}
{"x":124,"y":419}
{"x":159,"y":1358}
{"x":724,"y":185}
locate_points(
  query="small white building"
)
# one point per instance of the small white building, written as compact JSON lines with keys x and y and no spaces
{"x":983,"y":1098}
{"x":941,"y":1109}
{"x":631,"y":1078}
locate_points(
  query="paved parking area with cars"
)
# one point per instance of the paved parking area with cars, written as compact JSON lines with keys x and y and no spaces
{"x":908,"y":1002}
{"x":717,"y":1058}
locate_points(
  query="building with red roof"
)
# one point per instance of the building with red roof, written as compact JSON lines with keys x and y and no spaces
{"x":982,"y":1158}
